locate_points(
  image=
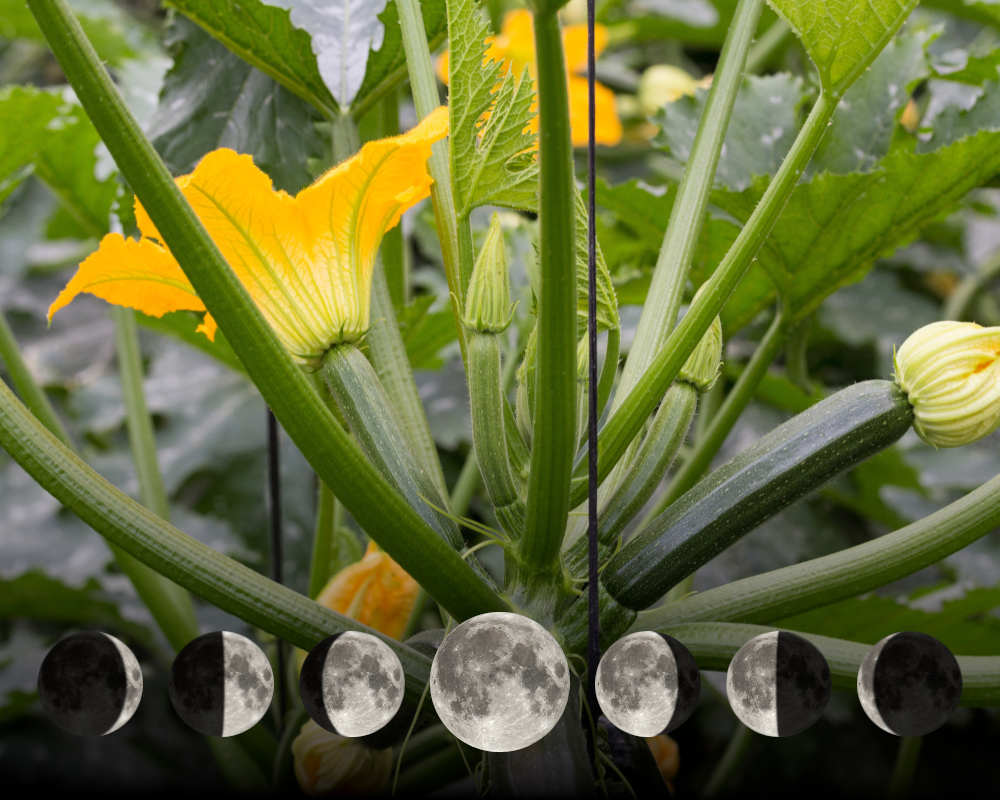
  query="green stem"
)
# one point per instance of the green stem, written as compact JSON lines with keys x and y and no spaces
{"x":377,"y":507}
{"x":385,"y":343}
{"x":736,"y":751}
{"x":632,"y":412}
{"x":960,"y":301}
{"x":466,"y":485}
{"x":140,"y":427}
{"x":688,"y":213}
{"x":609,"y":369}
{"x":790,"y":590}
{"x":907,"y":758}
{"x":713,"y":645}
{"x":423,"y":83}
{"x":724,"y":419}
{"x":326,"y":530}
{"x":486,"y":402}
{"x":554,"y":417}
{"x":216,"y":578}
{"x":370,"y":416}
{"x":24,"y":382}
{"x":768,"y":44}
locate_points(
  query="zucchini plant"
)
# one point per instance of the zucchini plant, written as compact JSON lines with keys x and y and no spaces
{"x":775,"y":245}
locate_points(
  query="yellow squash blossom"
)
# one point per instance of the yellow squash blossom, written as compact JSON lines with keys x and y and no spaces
{"x":382,"y":595}
{"x":515,"y":49}
{"x":375,"y":591}
{"x":306,"y":260}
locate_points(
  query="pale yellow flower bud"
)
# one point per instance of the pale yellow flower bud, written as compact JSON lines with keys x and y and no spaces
{"x":487,"y":303}
{"x":328,"y":764}
{"x":703,"y":365}
{"x":663,"y":83}
{"x":950,"y":371}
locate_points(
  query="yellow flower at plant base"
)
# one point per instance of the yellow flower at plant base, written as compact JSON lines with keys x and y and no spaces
{"x":667,"y":756}
{"x":950,"y":372}
{"x":305,"y":260}
{"x":514,"y":47}
{"x":381,"y":594}
{"x":328,"y":764}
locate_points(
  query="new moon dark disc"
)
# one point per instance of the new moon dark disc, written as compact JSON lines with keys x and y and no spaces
{"x":909,"y":684}
{"x":89,"y":683}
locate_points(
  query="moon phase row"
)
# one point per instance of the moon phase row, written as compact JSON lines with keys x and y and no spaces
{"x":499,"y":682}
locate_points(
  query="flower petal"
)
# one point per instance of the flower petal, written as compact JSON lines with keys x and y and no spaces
{"x":607,"y":128}
{"x":575,"y":46}
{"x":346,"y":212}
{"x":136,"y":274}
{"x":375,"y":591}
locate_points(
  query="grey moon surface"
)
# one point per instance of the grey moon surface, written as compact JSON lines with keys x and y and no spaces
{"x":499,"y":682}
{"x":362,"y":683}
{"x":909,"y":684}
{"x":647,"y":683}
{"x":133,"y":683}
{"x":249,"y":684}
{"x":89,"y":683}
{"x":221,"y":684}
{"x":778,"y":684}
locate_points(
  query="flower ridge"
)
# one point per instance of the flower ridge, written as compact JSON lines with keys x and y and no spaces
{"x":306,"y":260}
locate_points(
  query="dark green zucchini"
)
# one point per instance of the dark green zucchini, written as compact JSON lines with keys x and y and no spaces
{"x":787,"y":463}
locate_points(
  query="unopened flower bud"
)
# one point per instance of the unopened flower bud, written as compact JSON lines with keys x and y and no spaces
{"x":328,"y":764}
{"x":950,"y":372}
{"x":487,"y":303}
{"x":703,"y":365}
{"x":663,"y":83}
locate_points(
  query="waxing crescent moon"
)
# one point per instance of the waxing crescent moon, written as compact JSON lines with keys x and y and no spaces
{"x":221,"y":684}
{"x":909,"y":684}
{"x":499,"y":682}
{"x":352,"y":684}
{"x":778,"y":684}
{"x":647,"y":683}
{"x":90,"y":683}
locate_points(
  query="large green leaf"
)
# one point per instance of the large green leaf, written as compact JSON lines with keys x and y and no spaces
{"x":115,"y":35}
{"x":836,"y":226}
{"x":764,"y":124}
{"x":325,"y":59}
{"x":212,"y":98}
{"x":47,"y":133}
{"x":963,"y":624}
{"x":491,"y":156}
{"x":842,"y":37}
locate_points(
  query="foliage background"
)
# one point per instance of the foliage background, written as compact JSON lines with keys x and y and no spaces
{"x":55,"y":574}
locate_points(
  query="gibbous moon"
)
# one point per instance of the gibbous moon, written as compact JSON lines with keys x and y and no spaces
{"x":499,"y":682}
{"x":647,"y":683}
{"x":352,"y":684}
{"x":778,"y":684}
{"x":909,"y":684}
{"x":221,"y":684}
{"x":90,"y":683}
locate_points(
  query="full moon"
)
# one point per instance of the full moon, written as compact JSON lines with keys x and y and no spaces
{"x":499,"y":682}
{"x":221,"y":684}
{"x":352,"y":684}
{"x":647,"y":683}
{"x":909,"y":684}
{"x":778,"y":684}
{"x":90,"y":683}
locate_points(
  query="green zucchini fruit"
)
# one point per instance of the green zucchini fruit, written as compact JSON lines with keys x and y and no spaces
{"x":787,"y":463}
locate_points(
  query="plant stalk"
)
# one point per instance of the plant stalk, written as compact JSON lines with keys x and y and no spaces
{"x":554,"y":417}
{"x":376,"y":506}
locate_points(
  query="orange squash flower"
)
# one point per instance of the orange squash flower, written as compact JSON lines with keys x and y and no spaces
{"x":305,"y":260}
{"x":515,"y":49}
{"x":375,"y":591}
